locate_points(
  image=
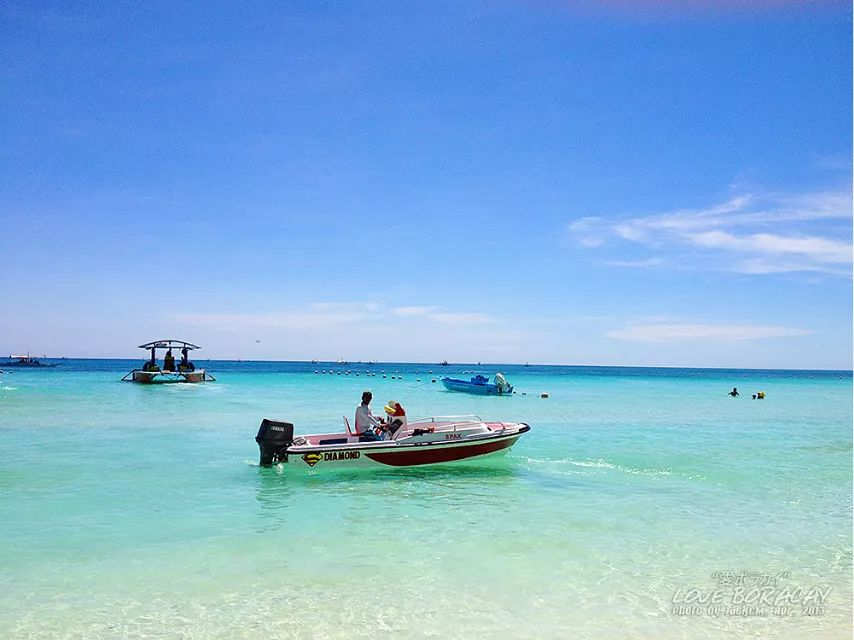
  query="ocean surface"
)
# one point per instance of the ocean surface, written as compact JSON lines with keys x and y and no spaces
{"x":639,"y":504}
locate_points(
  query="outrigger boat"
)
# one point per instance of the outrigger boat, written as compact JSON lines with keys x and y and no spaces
{"x":182,"y":371}
{"x":27,"y":362}
{"x":422,"y":442}
{"x":480,"y":385}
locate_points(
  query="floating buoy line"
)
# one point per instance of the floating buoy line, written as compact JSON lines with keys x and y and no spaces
{"x":396,"y":376}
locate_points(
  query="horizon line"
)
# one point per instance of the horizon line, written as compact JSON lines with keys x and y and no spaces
{"x":483,"y":364}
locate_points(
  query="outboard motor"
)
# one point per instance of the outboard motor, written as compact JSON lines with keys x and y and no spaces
{"x":273,"y":439}
{"x":501,"y":383}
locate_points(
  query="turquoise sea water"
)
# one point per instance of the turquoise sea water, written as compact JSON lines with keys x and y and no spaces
{"x":131,"y":511}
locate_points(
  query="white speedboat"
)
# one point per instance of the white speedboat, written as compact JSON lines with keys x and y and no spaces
{"x":422,"y":442}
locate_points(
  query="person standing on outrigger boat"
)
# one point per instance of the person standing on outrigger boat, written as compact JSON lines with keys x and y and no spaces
{"x":367,"y":426}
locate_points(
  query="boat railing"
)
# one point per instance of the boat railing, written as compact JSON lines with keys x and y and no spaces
{"x":447,"y":421}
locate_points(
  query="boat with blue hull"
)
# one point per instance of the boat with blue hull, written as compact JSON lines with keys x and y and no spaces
{"x":480,"y":385}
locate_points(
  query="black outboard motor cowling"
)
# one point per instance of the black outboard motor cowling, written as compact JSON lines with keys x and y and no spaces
{"x":273,"y":439}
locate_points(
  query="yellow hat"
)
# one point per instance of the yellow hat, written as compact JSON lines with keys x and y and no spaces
{"x":390,"y":407}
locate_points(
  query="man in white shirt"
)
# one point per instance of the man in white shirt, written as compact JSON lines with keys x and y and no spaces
{"x":366,"y":423}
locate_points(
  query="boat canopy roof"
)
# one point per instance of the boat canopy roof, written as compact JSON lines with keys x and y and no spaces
{"x":169,"y":344}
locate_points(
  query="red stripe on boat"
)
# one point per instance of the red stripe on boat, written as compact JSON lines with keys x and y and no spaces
{"x":440,"y":454}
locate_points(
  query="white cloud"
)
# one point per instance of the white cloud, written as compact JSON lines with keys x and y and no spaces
{"x":410,"y":311}
{"x":354,"y":331}
{"x":760,"y":266}
{"x":315,"y":315}
{"x":703,"y":332}
{"x":771,"y":233}
{"x":588,"y":231}
{"x":461,"y":319}
{"x":809,"y":247}
{"x":639,"y":264}
{"x":329,"y":315}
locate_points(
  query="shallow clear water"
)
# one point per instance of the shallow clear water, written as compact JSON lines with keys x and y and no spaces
{"x":140,"y":512}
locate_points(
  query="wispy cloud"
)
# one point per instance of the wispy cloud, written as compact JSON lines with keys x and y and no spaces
{"x":590,"y":231}
{"x":748,"y":233}
{"x":411,"y":311}
{"x":461,"y":319}
{"x":329,"y":315}
{"x":703,"y":332}
{"x":637,"y":264}
{"x":313,"y":316}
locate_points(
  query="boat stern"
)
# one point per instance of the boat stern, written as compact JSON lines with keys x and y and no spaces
{"x":273,"y":440}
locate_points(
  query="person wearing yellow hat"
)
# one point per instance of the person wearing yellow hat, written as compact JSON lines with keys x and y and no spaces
{"x":396,"y":417}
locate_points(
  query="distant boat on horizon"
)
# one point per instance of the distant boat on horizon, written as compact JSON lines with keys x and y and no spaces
{"x":27,"y":362}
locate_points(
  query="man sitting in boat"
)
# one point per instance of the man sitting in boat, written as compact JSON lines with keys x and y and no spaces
{"x":396,"y":418}
{"x":169,"y":361}
{"x":367,"y":426}
{"x":151,"y":365}
{"x":185,"y":364}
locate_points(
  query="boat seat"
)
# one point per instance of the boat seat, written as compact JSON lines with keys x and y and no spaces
{"x":352,"y":432}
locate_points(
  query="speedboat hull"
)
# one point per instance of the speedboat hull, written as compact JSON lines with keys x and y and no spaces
{"x":423,"y":443}
{"x":379,"y":455}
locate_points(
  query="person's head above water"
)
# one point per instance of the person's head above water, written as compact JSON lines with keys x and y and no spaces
{"x":366,"y":397}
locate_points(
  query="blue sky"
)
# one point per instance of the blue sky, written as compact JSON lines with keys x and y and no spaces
{"x":585,"y":183}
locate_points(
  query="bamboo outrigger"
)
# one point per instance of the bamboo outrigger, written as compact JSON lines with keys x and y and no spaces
{"x":182,"y":371}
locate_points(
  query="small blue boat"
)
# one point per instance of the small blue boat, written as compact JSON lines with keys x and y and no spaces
{"x":480,"y":385}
